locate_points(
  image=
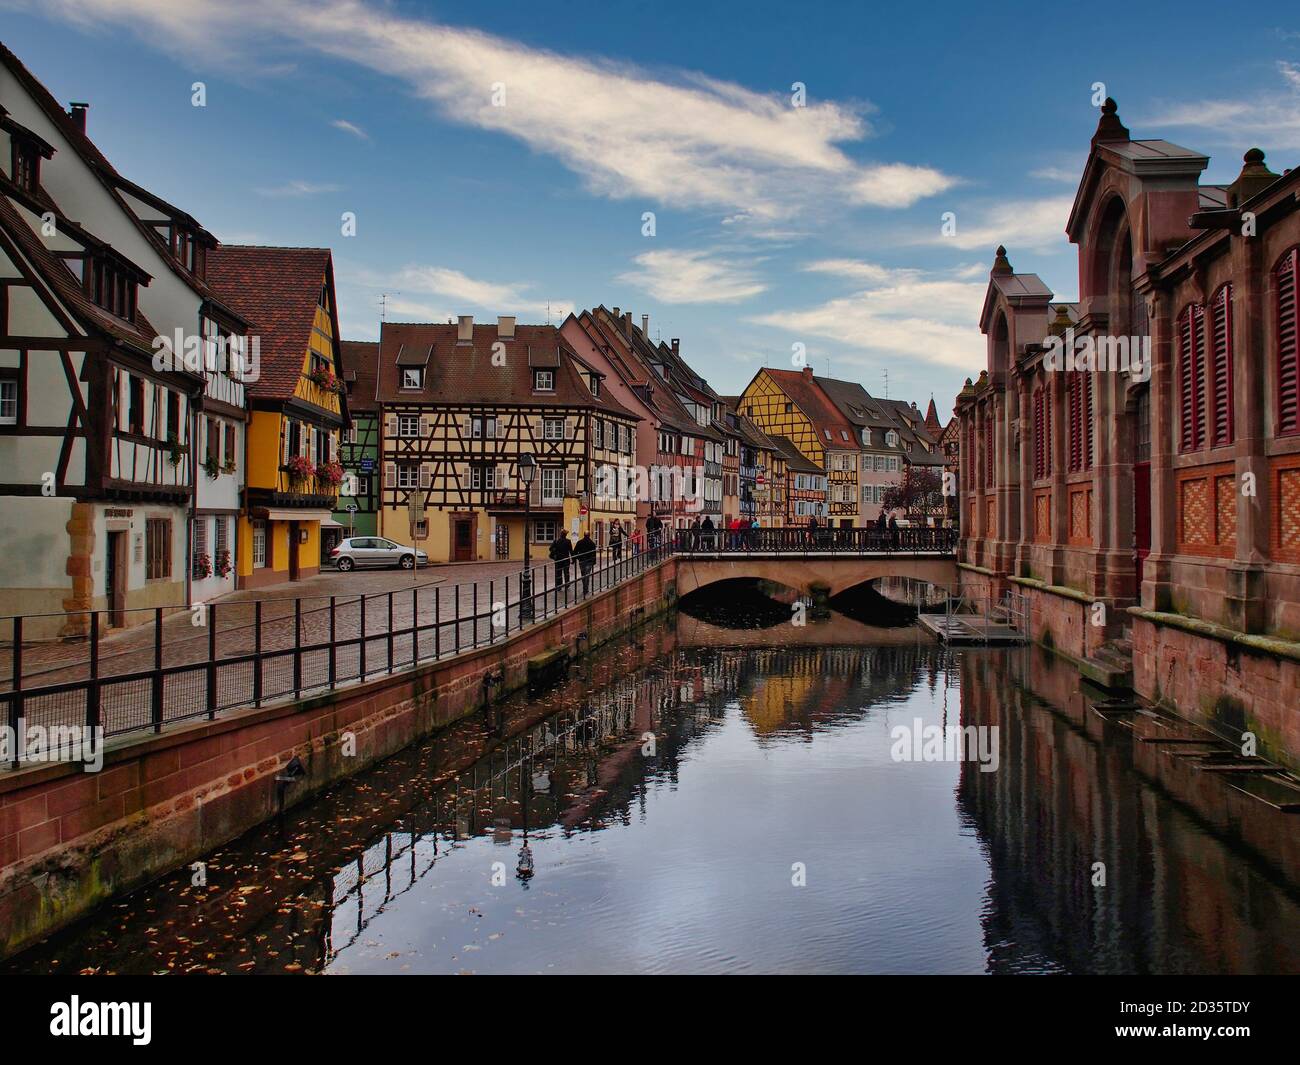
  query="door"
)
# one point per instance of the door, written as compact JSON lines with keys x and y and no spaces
{"x":115,"y":578}
{"x":1141,"y":518}
{"x":462,"y":541}
{"x":293,"y":551}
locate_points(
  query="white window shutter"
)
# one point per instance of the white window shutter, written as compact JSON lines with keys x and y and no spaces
{"x":390,"y":475}
{"x":568,"y":429}
{"x":570,"y":481}
{"x":426,"y":475}
{"x":426,"y":426}
{"x":390,"y":425}
{"x":535,"y":494}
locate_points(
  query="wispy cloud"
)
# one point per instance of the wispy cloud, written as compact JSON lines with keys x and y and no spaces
{"x":673,"y":276}
{"x":350,"y":127}
{"x":907,"y":315}
{"x":689,"y":141}
{"x":1033,"y":224}
{"x":1270,"y":119}
{"x":856,"y":270}
{"x":453,"y":292}
{"x":298,"y":188}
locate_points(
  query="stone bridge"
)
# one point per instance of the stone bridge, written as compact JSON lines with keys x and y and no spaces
{"x":817,"y":575}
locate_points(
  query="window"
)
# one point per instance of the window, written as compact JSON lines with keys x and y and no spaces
{"x":408,"y":425}
{"x":259,"y":545}
{"x":482,"y":477}
{"x":552,"y":482}
{"x":1042,"y":433}
{"x":483,"y":427}
{"x":135,"y":405}
{"x":158,"y":549}
{"x":1191,"y":378}
{"x":1079,"y":396}
{"x":228,"y":448}
{"x":173,"y":415}
{"x":200,"y":546}
{"x":408,"y":475}
{"x":212,"y":440}
{"x":598,"y":434}
{"x":111,"y":289}
{"x":223,"y":538}
{"x":545,"y":530}
{"x":1221,"y":367}
{"x":26,"y":164}
{"x":552,"y":428}
{"x":8,"y":401}
{"x":1286,"y":280}
{"x":544,"y":380}
{"x":412,"y":378}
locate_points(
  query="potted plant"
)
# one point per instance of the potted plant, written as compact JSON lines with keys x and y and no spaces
{"x":323,"y":377}
{"x":211,"y":467}
{"x":175,"y":450}
{"x":228,"y":466}
{"x":331,"y":473}
{"x":223,"y":563}
{"x":300,"y":468}
{"x":202,"y":567}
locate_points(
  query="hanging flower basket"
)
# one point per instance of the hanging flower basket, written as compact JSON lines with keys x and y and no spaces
{"x":300,"y":468}
{"x":211,"y":467}
{"x":202,"y":567}
{"x":326,"y":380}
{"x":224,"y":564}
{"x":330,"y":473}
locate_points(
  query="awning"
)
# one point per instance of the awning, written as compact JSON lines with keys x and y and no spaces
{"x":331,"y":523}
{"x":321,"y":516}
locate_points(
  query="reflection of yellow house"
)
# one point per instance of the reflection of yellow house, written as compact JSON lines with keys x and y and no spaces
{"x":296,"y":405}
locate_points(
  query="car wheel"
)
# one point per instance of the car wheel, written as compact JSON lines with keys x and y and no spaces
{"x":408,"y":562}
{"x":345,"y":564}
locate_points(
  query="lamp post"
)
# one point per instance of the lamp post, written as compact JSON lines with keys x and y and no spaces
{"x":527,"y":471}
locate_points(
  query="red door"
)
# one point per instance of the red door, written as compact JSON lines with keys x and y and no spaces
{"x":1141,"y":517}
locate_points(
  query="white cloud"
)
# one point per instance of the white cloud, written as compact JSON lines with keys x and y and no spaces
{"x":454,"y":293}
{"x":856,"y":270}
{"x":909,"y":316}
{"x":350,"y":127}
{"x":672,"y":276}
{"x":1270,"y":119}
{"x":1032,"y":224}
{"x":1057,"y":173}
{"x":692,"y":142}
{"x":298,"y":188}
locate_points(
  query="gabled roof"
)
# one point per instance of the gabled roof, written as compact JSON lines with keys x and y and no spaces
{"x":805,"y":391}
{"x":464,"y":372}
{"x":361,"y":376}
{"x":278,"y":291}
{"x":795,"y":459}
{"x":54,"y":272}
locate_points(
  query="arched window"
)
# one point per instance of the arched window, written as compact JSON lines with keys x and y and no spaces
{"x":1042,"y":433}
{"x":1221,"y":367}
{"x":1079,"y":397}
{"x":1287,"y":317}
{"x":1191,"y":377}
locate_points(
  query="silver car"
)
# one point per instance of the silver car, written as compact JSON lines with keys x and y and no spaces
{"x":357,"y":552}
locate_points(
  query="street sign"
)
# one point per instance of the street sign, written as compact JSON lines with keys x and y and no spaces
{"x":351,"y":508}
{"x":415,"y":510}
{"x":367,"y":466}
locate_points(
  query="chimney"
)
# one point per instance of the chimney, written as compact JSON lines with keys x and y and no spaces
{"x":627,"y":322}
{"x":677,"y":344}
{"x":617,"y":314}
{"x":506,"y":326}
{"x":807,"y":371}
{"x":465,"y":329}
{"x":645,"y":325}
{"x":77,"y":112}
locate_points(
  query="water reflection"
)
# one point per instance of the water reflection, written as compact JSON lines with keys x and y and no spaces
{"x":667,"y":797}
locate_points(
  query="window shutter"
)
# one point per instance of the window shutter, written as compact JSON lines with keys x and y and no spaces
{"x":390,"y":424}
{"x":467,"y":428}
{"x":568,"y":429}
{"x":1221,"y":362}
{"x":390,"y":475}
{"x":535,"y":494}
{"x":1076,"y":420}
{"x":1088,"y":385}
{"x":1191,"y":377}
{"x":989,"y":458}
{"x":426,"y":475}
{"x":1288,"y":343}
{"x":426,"y":426}
{"x":570,"y":481}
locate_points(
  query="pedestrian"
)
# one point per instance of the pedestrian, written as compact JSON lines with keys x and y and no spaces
{"x":653,"y":529}
{"x":616,"y":543}
{"x":812,"y":530}
{"x":585,"y":552}
{"x":733,"y":534}
{"x":695,"y":534}
{"x":893,"y":531}
{"x":706,"y":532}
{"x":561,"y":551}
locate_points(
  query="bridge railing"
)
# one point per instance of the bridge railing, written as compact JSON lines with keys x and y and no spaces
{"x":815,"y":541}
{"x":197,"y":662}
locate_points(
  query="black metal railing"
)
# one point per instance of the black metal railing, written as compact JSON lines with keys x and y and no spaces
{"x":819,"y":540}
{"x":194,"y":663}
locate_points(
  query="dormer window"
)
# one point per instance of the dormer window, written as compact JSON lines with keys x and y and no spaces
{"x":891,"y":438}
{"x":26,"y":164}
{"x":111,"y":288}
{"x":412,"y":377}
{"x":593,"y":382}
{"x":866,"y":437}
{"x":543,"y":380}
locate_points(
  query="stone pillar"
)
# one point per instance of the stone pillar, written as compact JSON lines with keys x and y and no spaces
{"x":1245,"y":608}
{"x":81,"y":569}
{"x":1156,"y":586}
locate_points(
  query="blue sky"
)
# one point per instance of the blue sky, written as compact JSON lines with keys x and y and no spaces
{"x":774,"y":224}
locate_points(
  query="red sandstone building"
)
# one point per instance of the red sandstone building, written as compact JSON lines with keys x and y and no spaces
{"x":1173,"y":501}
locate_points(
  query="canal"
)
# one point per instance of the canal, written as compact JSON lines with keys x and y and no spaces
{"x":726,"y":791}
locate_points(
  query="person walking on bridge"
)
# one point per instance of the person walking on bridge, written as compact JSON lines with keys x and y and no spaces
{"x":585,"y":553}
{"x":561,"y":551}
{"x":616,"y":546}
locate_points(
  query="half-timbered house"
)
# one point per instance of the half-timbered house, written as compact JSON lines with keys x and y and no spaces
{"x":357,"y":510}
{"x":460,"y":403}
{"x":297,"y":405}
{"x":131,"y":375}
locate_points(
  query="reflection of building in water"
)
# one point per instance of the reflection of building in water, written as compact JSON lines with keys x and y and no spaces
{"x":909,"y":590}
{"x":1178,"y":894}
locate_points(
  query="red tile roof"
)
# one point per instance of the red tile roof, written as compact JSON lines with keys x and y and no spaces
{"x":465,"y":373}
{"x":361,"y":357}
{"x":807,"y":395}
{"x":278,"y":291}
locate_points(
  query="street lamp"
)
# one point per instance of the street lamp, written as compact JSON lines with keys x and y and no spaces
{"x":527,"y":471}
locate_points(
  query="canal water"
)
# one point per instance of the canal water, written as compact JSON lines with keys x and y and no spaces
{"x":701,"y":797}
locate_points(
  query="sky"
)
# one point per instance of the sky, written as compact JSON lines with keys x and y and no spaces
{"x":764,"y":180}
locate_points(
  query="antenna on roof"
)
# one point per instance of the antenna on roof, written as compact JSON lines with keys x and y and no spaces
{"x":548,"y":312}
{"x":886,"y":372}
{"x":383,"y":305}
